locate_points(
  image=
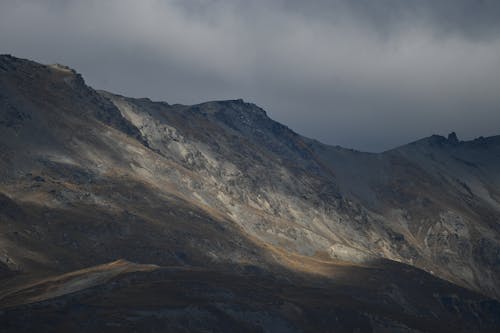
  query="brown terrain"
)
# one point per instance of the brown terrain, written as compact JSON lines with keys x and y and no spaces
{"x":121,"y":214}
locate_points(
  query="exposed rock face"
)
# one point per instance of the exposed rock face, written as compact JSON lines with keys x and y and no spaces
{"x":89,"y":177}
{"x":414,"y":204}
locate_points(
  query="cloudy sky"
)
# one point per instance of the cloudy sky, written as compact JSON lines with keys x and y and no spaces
{"x":365,"y":74}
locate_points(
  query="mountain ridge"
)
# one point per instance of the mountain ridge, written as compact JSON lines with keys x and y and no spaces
{"x":88,"y":177}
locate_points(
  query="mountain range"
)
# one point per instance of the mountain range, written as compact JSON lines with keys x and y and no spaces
{"x":126,"y":214}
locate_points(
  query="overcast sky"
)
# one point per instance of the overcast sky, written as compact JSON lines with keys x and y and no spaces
{"x":365,"y":74}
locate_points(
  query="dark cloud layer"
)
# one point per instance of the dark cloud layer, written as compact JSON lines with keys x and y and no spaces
{"x":475,"y":19}
{"x":369,"y":74}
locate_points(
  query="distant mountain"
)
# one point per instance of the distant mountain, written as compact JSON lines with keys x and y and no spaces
{"x":222,"y":219}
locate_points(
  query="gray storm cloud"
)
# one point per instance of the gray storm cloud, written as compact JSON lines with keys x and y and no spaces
{"x":368,"y":74}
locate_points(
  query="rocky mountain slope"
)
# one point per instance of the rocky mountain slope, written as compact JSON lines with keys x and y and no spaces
{"x":439,"y":200}
{"x":229,"y":197}
{"x":434,"y":204}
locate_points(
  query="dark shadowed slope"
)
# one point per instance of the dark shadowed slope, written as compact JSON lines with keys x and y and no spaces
{"x":439,"y":198}
{"x":121,"y":296}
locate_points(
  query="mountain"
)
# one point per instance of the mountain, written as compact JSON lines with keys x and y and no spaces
{"x":123,"y":214}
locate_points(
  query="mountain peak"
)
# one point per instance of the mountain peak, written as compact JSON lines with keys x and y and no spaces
{"x":452,"y":138}
{"x":232,"y":108}
{"x":436,"y":140}
{"x":9,"y":62}
{"x":64,"y":68}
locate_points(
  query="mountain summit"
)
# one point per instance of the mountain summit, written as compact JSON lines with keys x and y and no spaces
{"x":127,"y":214}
